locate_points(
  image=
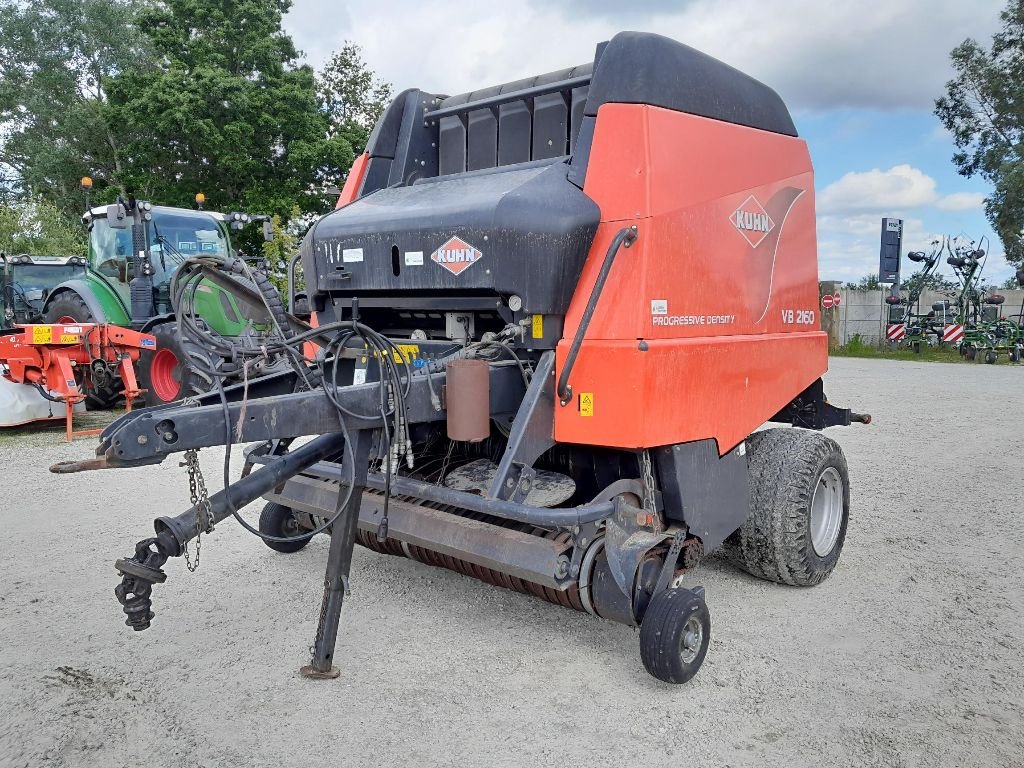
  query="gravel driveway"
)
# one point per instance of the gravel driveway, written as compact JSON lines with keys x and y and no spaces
{"x":909,"y":655}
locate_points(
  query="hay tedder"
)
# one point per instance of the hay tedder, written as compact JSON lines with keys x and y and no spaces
{"x":553,"y":315}
{"x":978,"y":310}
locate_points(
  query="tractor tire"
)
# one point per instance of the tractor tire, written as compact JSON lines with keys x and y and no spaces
{"x":69,"y":307}
{"x":279,"y":521}
{"x":167,"y":373}
{"x":674,"y":635}
{"x":799,"y":508}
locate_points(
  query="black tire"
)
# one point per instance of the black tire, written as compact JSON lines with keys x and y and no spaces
{"x":776,"y":543}
{"x":190,"y":379}
{"x":277,"y":520}
{"x":674,"y":635}
{"x":991,"y":357}
{"x":1014,"y":355}
{"x":916,"y":346}
{"x":971,"y":353}
{"x":68,"y":304}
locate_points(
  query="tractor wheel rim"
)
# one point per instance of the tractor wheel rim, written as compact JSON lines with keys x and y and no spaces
{"x":693,"y":636}
{"x":165,"y":386}
{"x":826,"y":511}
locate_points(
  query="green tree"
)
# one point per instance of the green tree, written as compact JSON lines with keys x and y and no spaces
{"x":983,"y":108}
{"x":228,"y":112}
{"x":57,"y":59}
{"x":280,"y":251}
{"x":40,"y":229}
{"x":352,"y":95}
{"x":866,"y":283}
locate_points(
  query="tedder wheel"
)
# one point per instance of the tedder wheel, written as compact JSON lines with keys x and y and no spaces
{"x":971,"y":353}
{"x":674,"y":635}
{"x":916,"y":346}
{"x":990,"y":357}
{"x":1014,"y":354}
{"x":167,"y":374}
{"x":68,"y":307}
{"x":278,"y":520}
{"x":799,"y":507}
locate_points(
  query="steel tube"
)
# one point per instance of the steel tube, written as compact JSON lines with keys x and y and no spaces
{"x":249,"y":488}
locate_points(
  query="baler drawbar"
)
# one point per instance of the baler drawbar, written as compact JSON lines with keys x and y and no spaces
{"x":552,"y":318}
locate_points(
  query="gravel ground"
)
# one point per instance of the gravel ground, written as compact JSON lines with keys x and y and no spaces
{"x":909,"y":655}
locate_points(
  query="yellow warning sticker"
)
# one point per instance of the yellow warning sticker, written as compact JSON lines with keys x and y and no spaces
{"x":42,"y":334}
{"x":69,"y":338}
{"x":586,"y":403}
{"x":409,"y":351}
{"x":538,"y":326}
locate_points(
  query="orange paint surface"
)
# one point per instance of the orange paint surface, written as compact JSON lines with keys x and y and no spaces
{"x":721,"y":283}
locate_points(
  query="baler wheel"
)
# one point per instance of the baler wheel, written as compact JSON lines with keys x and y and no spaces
{"x":674,"y":635}
{"x":278,"y":520}
{"x":799,"y":508}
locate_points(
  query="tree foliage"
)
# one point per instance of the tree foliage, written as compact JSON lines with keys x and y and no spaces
{"x":866,"y":283}
{"x":57,"y":60}
{"x":983,"y":108}
{"x":38,"y":227}
{"x":228,"y":111}
{"x":351,"y":95}
{"x":166,"y":98}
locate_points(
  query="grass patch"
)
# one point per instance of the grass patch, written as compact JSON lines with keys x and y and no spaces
{"x":857,"y":347}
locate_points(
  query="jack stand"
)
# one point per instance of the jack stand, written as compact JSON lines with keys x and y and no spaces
{"x":339,"y":562}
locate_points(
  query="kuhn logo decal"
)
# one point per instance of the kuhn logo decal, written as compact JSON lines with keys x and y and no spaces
{"x":752,"y":221}
{"x":456,"y":255}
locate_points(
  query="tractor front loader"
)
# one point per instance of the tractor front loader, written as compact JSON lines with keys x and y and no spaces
{"x":553,"y":316}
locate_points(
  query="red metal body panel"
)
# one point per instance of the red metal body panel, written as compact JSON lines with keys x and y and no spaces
{"x":721,"y":283}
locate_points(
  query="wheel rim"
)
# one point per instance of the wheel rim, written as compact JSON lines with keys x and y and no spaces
{"x":161,"y":374}
{"x":826,"y":511}
{"x":66,"y":320}
{"x":693,"y":637}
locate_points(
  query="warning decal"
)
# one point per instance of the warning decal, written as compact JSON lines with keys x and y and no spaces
{"x":896,"y":331}
{"x":952,"y":333}
{"x":586,"y":403}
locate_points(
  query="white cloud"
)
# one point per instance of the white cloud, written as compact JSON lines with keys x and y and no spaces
{"x":898,"y":188}
{"x":816,"y":54}
{"x":961,"y":201}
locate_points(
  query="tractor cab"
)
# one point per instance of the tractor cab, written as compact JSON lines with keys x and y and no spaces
{"x":27,"y":280}
{"x":173,"y":235}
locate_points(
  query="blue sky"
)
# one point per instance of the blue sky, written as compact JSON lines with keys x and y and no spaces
{"x":865,"y":162}
{"x":860,"y":77}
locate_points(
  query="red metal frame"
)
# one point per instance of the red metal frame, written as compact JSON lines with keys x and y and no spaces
{"x":59,"y":358}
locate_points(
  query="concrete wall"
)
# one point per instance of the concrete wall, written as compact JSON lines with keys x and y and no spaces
{"x":866,"y":313}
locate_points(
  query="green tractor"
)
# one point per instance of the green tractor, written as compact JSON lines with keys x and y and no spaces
{"x":26,"y":281}
{"x":135,"y":250}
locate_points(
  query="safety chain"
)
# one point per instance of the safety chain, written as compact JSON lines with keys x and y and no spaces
{"x":200,"y":501}
{"x":647,"y":481}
